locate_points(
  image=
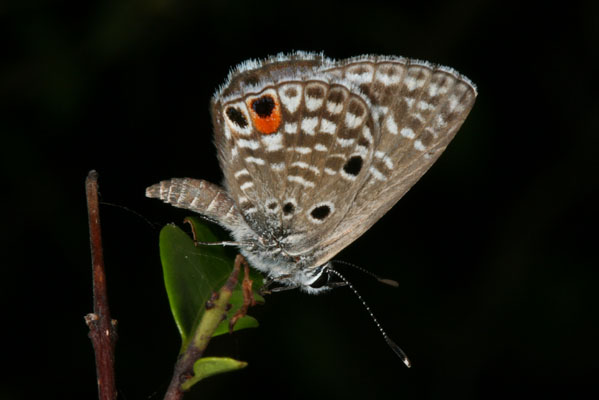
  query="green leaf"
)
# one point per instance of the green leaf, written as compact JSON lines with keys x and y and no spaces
{"x":192,"y":273}
{"x":209,"y":366}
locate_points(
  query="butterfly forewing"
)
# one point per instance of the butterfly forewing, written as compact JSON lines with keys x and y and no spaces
{"x":419,"y":109}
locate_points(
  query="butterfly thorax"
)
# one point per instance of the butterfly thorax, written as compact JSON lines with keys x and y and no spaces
{"x":271,"y":254}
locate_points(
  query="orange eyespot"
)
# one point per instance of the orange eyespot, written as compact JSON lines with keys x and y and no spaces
{"x":265,"y":112}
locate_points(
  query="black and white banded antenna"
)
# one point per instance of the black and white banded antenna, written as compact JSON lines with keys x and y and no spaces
{"x":386,"y":281}
{"x":396,"y":349}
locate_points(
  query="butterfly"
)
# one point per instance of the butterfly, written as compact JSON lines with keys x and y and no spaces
{"x":314,"y":151}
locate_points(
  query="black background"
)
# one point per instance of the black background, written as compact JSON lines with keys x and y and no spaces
{"x":494,"y":248}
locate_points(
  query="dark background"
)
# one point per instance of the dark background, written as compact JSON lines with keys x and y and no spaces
{"x":494,"y":248}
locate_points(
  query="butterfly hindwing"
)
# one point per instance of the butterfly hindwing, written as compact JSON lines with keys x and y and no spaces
{"x":298,"y":179}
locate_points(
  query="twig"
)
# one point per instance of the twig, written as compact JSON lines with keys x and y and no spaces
{"x":248,"y":297}
{"x":102,"y":330}
{"x":216,"y":311}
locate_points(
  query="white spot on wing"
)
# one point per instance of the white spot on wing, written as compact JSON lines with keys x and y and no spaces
{"x":418,"y":116}
{"x":433,"y":90}
{"x":300,"y":180}
{"x":377,"y":174}
{"x":388,"y":80}
{"x":273,"y":142}
{"x":391,"y":125}
{"x":291,"y":103}
{"x":309,"y":125}
{"x":301,"y":150}
{"x":407,"y":133}
{"x":367,"y":134}
{"x":440,"y":121}
{"x":305,"y":165}
{"x":412,"y":83}
{"x":291,"y":127}
{"x":353,"y":121}
{"x":327,"y":126}
{"x":362,"y":73}
{"x":424,"y":106}
{"x":345,"y":142}
{"x":227,"y":131}
{"x":379,"y":111}
{"x":277,"y":166}
{"x":313,"y":103}
{"x":385,"y":159}
{"x":347,"y":176}
{"x":254,"y":160}
{"x":250,"y":210}
{"x":248,"y":144}
{"x":454,"y":102}
{"x":241,"y":172}
{"x":247,"y":185}
{"x":361,"y":151}
{"x":334,"y":108}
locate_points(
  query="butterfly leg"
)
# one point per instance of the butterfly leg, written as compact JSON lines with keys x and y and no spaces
{"x":334,"y":285}
{"x":268,"y":288}
{"x":197,"y":243}
{"x":248,"y":295}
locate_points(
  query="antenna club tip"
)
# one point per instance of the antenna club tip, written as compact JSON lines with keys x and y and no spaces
{"x":408,"y":363}
{"x":389,"y":282}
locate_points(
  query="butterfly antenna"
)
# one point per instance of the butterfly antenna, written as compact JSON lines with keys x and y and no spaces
{"x":396,"y":349}
{"x":386,"y":281}
{"x":143,"y":218}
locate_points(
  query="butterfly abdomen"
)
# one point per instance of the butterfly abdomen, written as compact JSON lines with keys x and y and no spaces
{"x":200,"y":196}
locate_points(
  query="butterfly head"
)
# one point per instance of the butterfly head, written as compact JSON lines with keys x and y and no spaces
{"x":284,"y":269}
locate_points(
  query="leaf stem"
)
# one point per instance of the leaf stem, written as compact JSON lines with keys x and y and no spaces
{"x":216,"y":311}
{"x":102,"y":329}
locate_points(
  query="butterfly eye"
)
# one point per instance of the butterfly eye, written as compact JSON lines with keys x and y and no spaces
{"x":266,"y":113}
{"x":323,"y":280}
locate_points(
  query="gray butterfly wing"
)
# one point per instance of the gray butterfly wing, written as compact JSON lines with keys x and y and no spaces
{"x":293,"y":173}
{"x":418,"y":109}
{"x":314,"y":151}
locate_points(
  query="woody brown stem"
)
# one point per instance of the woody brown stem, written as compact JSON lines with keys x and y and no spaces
{"x":102,"y":329}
